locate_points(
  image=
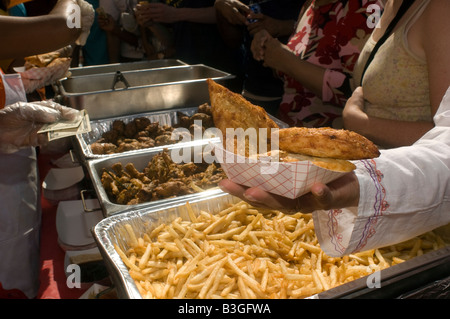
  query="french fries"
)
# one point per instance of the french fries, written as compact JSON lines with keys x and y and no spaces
{"x":246,"y":252}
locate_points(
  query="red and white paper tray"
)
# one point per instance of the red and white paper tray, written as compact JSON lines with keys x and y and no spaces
{"x":289,"y":179}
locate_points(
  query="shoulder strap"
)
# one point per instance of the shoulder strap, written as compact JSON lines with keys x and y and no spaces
{"x":406,"y":4}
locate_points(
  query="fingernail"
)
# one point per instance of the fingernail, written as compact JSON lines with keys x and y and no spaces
{"x":250,"y":198}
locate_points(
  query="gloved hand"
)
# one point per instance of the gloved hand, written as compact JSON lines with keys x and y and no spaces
{"x":20,"y":122}
{"x":87,"y":19}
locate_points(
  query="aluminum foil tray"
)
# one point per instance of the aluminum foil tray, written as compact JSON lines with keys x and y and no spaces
{"x":82,"y":142}
{"x":395,"y":280}
{"x":107,"y":233}
{"x":140,"y":160}
{"x":168,"y":117}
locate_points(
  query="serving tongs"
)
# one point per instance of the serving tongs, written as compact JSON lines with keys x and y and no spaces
{"x":118,"y":77}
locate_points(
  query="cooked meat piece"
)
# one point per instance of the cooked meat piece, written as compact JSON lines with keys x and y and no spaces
{"x":128,"y":145}
{"x":141,"y":123}
{"x":172,"y":188}
{"x":111,"y":136}
{"x":118,"y":126}
{"x":146,"y":142}
{"x":189,"y":169}
{"x":206,"y":120}
{"x":130,"y":129}
{"x":195,"y":129}
{"x":103,"y":148}
{"x":185,"y":121}
{"x":164,"y":139}
{"x":142,"y":134}
{"x":145,"y":194}
{"x":167,"y":128}
{"x":133,"y":172}
{"x":205,"y":108}
{"x":152,"y":128}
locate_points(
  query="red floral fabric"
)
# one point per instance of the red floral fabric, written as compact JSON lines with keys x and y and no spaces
{"x":330,"y":36}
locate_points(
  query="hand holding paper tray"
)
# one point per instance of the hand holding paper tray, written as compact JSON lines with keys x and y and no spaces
{"x":289,"y":179}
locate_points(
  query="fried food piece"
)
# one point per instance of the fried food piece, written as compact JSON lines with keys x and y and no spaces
{"x":232,"y":110}
{"x":205,"y":108}
{"x":161,"y":178}
{"x":40,"y":60}
{"x":326,"y":143}
{"x":332,"y":164}
{"x":103,"y":148}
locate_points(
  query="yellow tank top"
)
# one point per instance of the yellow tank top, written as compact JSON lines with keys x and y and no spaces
{"x":395,"y":84}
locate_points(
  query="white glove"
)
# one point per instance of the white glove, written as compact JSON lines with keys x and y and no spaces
{"x":87,"y":19}
{"x":20,"y":122}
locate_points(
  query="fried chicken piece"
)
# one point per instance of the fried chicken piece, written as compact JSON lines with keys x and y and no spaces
{"x":130,"y":129}
{"x":152,"y":128}
{"x":103,"y":148}
{"x":164,"y":139}
{"x":128,"y":145}
{"x":189,"y":169}
{"x":172,"y":188}
{"x":133,"y":172}
{"x":146,"y":194}
{"x":327,"y":142}
{"x":111,"y":136}
{"x":146,"y":142}
{"x":118,"y":126}
{"x":206,"y":120}
{"x":205,"y":108}
{"x":183,"y":120}
{"x":141,"y":123}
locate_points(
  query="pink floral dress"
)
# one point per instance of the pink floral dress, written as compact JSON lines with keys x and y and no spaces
{"x":331,"y":36}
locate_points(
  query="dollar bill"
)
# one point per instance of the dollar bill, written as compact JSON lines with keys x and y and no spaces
{"x":63,"y":124}
{"x":83,"y":127}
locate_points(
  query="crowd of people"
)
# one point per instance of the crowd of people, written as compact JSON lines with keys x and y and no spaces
{"x":376,"y":67}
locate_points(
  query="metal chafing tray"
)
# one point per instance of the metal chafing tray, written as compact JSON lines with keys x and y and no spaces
{"x":130,"y":92}
{"x":140,"y":159}
{"x":395,"y":280}
{"x":128,"y":66}
{"x":82,"y":142}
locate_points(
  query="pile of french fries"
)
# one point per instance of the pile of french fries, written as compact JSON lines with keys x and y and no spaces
{"x":246,"y":252}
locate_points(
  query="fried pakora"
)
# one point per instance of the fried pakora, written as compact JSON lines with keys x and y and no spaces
{"x":160,"y":179}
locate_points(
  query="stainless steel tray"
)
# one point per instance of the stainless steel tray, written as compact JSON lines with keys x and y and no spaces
{"x":82,"y":142}
{"x":140,"y":159}
{"x":128,"y":66}
{"x":395,"y":280}
{"x":108,"y":95}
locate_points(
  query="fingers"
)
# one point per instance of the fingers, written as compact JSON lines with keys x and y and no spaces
{"x":67,"y":113}
{"x":343,"y":192}
{"x":258,"y":197}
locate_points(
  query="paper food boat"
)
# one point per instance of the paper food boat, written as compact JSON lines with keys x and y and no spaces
{"x":290,"y":179}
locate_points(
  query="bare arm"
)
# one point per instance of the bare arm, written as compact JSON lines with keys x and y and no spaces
{"x":278,"y":56}
{"x":35,"y":35}
{"x":435,"y":49}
